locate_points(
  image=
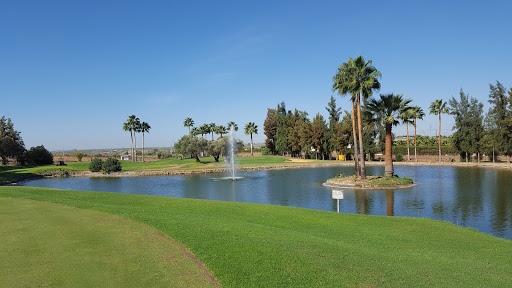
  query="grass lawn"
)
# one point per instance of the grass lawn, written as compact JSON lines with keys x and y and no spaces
{"x":50,"y":245}
{"x":252,"y":245}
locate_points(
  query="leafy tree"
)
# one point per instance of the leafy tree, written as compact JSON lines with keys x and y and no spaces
{"x":499,"y":120}
{"x":387,"y":110}
{"x":270,"y":129}
{"x":96,"y":165}
{"x":439,"y":107}
{"x":188,"y":123}
{"x":342,"y":136}
{"x":334,"y":118}
{"x":468,"y":124}
{"x":283,"y":121}
{"x":38,"y":155}
{"x":232,"y":124}
{"x":251,"y":128}
{"x":11,"y":143}
{"x":217,"y":148}
{"x":417,"y":113}
{"x":144,"y":128}
{"x":193,"y":146}
{"x":318,"y":134}
{"x":79,"y":156}
{"x":111,"y":165}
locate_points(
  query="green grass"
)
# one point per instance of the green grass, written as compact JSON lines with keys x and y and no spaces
{"x":51,"y":245}
{"x":251,"y":245}
{"x":371,"y":181}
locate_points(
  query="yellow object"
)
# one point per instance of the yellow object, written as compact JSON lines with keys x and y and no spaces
{"x":341,"y":157}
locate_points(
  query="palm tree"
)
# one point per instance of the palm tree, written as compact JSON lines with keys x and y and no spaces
{"x":416,"y":114}
{"x":195,"y":131}
{"x":364,"y":82}
{"x":144,"y":127}
{"x":212,"y":126}
{"x":387,"y":111}
{"x":204,"y":129}
{"x":406,"y":117}
{"x":342,"y":83}
{"x":251,"y":128}
{"x":188,"y":123}
{"x":130,"y":125}
{"x":232,"y":124}
{"x":439,"y":107}
{"x":221,"y":130}
{"x":136,"y":129}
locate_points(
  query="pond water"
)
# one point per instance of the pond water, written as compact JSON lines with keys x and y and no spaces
{"x":466,"y":196}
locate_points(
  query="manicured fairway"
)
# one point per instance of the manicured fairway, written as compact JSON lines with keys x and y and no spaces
{"x":44,"y":244}
{"x":251,"y":245}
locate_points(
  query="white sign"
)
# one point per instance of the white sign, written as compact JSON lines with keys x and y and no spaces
{"x":337,"y":194}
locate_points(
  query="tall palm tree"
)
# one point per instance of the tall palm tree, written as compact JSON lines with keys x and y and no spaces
{"x":416,"y":114}
{"x":130,"y":125}
{"x":231,"y":123}
{"x":439,"y":107}
{"x":221,"y":130}
{"x":204,"y":129}
{"x":364,"y":82}
{"x":136,"y":129}
{"x":195,"y":131}
{"x":188,"y":123}
{"x":144,"y":127}
{"x":251,"y":128}
{"x":387,"y":110}
{"x":212,"y":128}
{"x":343,"y":84}
{"x":406,"y":117}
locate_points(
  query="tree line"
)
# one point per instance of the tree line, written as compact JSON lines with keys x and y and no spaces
{"x":134,"y":126}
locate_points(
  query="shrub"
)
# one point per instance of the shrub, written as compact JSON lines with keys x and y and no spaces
{"x":96,"y":165}
{"x":79,"y":156}
{"x":399,"y":157}
{"x":163,"y":154}
{"x":265,"y":151}
{"x":39,"y":155}
{"x":111,"y":165}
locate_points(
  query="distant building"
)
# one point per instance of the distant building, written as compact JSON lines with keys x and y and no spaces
{"x":125,"y":157}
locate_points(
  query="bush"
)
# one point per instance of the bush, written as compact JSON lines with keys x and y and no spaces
{"x":96,"y":165}
{"x":111,"y":165}
{"x":79,"y":156}
{"x":399,"y":157}
{"x":39,"y":155}
{"x":163,"y":154}
{"x":265,"y":151}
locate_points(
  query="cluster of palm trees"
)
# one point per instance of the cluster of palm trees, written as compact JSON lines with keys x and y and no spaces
{"x":205,"y":129}
{"x":133,"y":125}
{"x":359,"y":78}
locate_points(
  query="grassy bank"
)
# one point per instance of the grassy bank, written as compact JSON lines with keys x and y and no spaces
{"x":371,"y":181}
{"x":251,"y":245}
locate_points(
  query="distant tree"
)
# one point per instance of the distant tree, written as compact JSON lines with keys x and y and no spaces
{"x":439,"y":107}
{"x":204,"y":130}
{"x":305,"y":136}
{"x":318,"y":135}
{"x":270,"y":129}
{"x":334,"y":118}
{"x":387,"y":110}
{"x":468,"y":124}
{"x":217,"y":148}
{"x":221,"y":130}
{"x":131,"y":125}
{"x":192,"y":146}
{"x":79,"y":156}
{"x":251,"y":128}
{"x":211,"y":128}
{"x":499,"y":119}
{"x":283,"y":120}
{"x":39,"y":155}
{"x":407,"y":118}
{"x":136,"y":129}
{"x":417,"y":113}
{"x":188,"y":123}
{"x":144,"y":128}
{"x":11,"y":143}
{"x":195,"y":131}
{"x":342,"y":136}
{"x":232,"y":124}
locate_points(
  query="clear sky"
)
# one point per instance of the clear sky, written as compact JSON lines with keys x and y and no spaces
{"x":71,"y":72}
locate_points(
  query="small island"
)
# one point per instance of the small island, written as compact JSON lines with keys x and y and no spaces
{"x":371,"y":182}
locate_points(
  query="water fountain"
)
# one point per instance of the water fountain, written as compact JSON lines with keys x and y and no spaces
{"x":231,"y":152}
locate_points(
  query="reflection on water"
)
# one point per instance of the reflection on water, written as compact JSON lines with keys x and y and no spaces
{"x":466,"y":196}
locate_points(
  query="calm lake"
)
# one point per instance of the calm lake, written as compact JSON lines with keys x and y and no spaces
{"x":466,"y":196}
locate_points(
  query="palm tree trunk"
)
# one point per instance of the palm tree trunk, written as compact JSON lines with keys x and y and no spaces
{"x":388,"y":157}
{"x":355,"y":139}
{"x":415,"y":155}
{"x":361,"y":148}
{"x":135,"y":146}
{"x":131,"y":147}
{"x":408,"y":154}
{"x":251,"y":146}
{"x":142,"y":145}
{"x":439,"y":135}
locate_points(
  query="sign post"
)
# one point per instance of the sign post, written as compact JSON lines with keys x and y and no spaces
{"x":337,"y":194}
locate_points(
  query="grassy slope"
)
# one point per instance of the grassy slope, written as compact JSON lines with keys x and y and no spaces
{"x":261,"y":245}
{"x":70,"y":247}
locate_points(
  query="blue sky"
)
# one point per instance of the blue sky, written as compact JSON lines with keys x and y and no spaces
{"x":71,"y":72}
